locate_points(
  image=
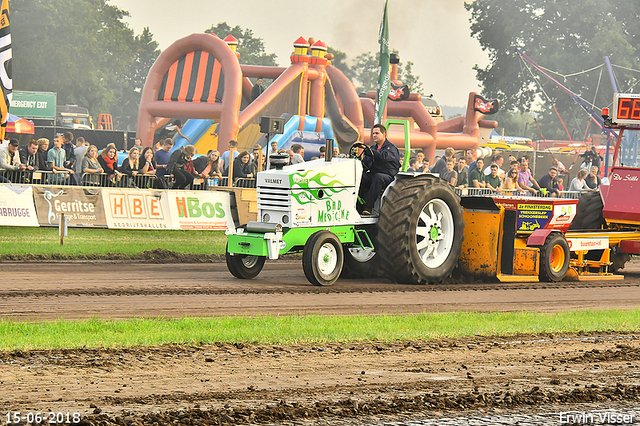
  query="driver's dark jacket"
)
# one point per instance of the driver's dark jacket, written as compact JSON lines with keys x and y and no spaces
{"x":386,"y":160}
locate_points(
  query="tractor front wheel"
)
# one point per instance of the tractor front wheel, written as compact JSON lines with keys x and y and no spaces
{"x":322,"y":258}
{"x":244,"y":267}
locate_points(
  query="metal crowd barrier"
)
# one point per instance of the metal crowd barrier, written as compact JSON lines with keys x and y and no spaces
{"x":39,"y":177}
{"x":36,"y":177}
{"x":474,"y":192}
{"x":125,"y":181}
{"x":16,"y":176}
{"x":484,"y":192}
{"x":245,"y":183}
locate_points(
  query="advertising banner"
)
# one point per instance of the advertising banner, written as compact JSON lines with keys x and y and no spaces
{"x":82,"y":207}
{"x":201,"y":209}
{"x":16,"y":206}
{"x":136,"y":209}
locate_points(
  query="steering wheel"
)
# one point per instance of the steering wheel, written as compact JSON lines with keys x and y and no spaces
{"x":353,"y":153}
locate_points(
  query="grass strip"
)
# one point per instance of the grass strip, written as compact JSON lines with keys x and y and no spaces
{"x":100,"y":241}
{"x":295,"y":329}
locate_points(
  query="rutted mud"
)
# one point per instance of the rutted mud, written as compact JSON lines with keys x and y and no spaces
{"x":350,"y":383}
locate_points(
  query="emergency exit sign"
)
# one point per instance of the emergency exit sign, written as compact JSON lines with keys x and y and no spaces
{"x":33,"y":104}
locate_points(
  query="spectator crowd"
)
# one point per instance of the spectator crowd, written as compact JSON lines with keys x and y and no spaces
{"x":494,"y":177}
{"x":66,"y":163}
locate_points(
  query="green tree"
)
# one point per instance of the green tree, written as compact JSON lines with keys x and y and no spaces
{"x":364,"y":72}
{"x":145,"y":52}
{"x":406,"y":76}
{"x":80,"y":49}
{"x":251,"y":49}
{"x":566,"y":36}
{"x":340,"y":61}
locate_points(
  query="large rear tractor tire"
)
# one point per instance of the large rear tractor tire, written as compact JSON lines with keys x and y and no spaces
{"x":244,"y":267}
{"x":420,"y":231}
{"x":322,"y":258}
{"x":554,"y":258}
{"x":589,"y":212}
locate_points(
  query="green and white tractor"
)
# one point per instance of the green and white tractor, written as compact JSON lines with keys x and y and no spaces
{"x":414,"y":235}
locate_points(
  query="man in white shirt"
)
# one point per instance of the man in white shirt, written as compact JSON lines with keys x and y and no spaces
{"x":10,"y":165}
{"x":497,"y":159}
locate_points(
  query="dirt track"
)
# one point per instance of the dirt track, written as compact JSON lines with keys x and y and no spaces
{"x":332,"y":384}
{"x":123,"y":290}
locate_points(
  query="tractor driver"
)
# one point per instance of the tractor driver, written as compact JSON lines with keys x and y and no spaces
{"x":383,"y":162}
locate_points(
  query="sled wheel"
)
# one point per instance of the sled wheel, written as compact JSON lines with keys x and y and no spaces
{"x":554,"y":258}
{"x":322,"y":258}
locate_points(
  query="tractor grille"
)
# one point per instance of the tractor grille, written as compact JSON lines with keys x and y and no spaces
{"x":274,"y":199}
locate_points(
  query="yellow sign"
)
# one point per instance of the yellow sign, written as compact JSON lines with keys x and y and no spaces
{"x":535,"y":207}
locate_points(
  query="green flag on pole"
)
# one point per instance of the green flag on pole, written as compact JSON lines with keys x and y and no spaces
{"x":384,"y":78}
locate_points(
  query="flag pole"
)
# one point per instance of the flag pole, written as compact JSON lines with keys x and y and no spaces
{"x":384,"y":77}
{"x":6,"y":82}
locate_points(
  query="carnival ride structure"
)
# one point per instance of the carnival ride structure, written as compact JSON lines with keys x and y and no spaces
{"x":200,"y":77}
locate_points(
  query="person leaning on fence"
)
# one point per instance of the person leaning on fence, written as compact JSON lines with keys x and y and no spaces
{"x":29,"y":154}
{"x":149,"y":168}
{"x":549,"y":184}
{"x":525,"y":179}
{"x":108,"y":159}
{"x":57,"y":159}
{"x":498,"y":160}
{"x":208,"y":167}
{"x":578,"y":183}
{"x":10,"y":165}
{"x":91,"y":167}
{"x":463,"y":176}
{"x":162,"y":158}
{"x":131,"y":167}
{"x":493,"y":181}
{"x":177,"y":166}
{"x":476,"y":176}
{"x":43,"y":149}
{"x":511,"y":181}
{"x":593,"y":180}
{"x":450,"y":175}
{"x":242,"y":167}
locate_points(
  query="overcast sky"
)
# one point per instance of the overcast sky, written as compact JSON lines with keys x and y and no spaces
{"x":433,"y":34}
